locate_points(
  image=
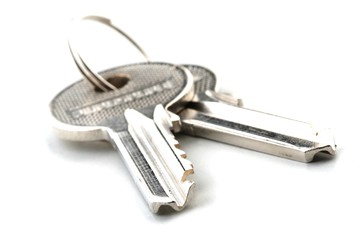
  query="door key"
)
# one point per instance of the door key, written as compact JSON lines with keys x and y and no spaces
{"x":221,"y":117}
{"x":134,"y":119}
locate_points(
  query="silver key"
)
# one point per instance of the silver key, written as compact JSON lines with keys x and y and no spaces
{"x":222,"y":118}
{"x":134,"y":119}
{"x":207,"y":117}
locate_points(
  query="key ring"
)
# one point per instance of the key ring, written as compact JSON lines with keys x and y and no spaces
{"x":94,"y":78}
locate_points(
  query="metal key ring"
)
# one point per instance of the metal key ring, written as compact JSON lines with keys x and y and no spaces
{"x":94,"y":78}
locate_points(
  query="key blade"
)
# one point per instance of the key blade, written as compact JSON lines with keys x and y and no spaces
{"x":257,"y":131}
{"x":169,"y":168}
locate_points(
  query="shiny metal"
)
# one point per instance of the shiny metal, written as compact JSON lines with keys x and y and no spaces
{"x":167,"y":162}
{"x":93,"y":77}
{"x":221,"y":118}
{"x":136,"y":121}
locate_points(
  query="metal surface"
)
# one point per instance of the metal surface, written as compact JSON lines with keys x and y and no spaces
{"x":135,"y":121}
{"x":94,"y":78}
{"x":220,"y":117}
{"x":208,"y":116}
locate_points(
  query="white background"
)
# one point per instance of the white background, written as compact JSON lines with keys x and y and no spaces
{"x":293,"y":58}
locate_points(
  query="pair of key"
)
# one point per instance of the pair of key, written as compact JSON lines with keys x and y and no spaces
{"x":155,"y":100}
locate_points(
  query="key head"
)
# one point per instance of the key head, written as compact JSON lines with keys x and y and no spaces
{"x":81,"y":113}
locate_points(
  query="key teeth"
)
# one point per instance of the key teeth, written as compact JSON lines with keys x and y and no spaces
{"x":178,"y":151}
{"x":186,"y":174}
{"x":165,"y":121}
{"x":174,"y":122}
{"x":186,"y":164}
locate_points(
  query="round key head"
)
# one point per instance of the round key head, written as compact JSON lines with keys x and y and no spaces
{"x":82,"y":113}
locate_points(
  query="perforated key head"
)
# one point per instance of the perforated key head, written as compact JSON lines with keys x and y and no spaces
{"x":82,"y":113}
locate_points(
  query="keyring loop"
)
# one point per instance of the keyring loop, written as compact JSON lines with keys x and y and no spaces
{"x":94,"y":78}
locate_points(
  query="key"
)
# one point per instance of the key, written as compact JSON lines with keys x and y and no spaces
{"x":135,"y":120}
{"x":221,"y":117}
